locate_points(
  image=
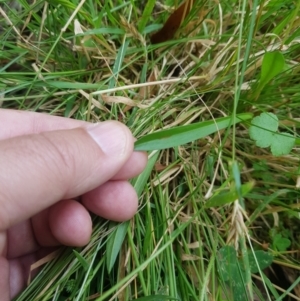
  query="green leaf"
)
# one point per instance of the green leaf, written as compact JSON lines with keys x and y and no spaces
{"x":228,"y":263}
{"x":226,"y":197}
{"x":232,"y":270}
{"x":272,"y":64}
{"x":283,"y":23}
{"x":183,"y":134}
{"x":69,"y":85}
{"x":282,"y":144}
{"x":140,"y":181}
{"x":263,"y":259}
{"x":146,"y":14}
{"x":156,"y":298}
{"x":262,"y":129}
{"x":118,"y":64}
{"x":281,"y":243}
{"x":103,"y":30}
{"x":114,"y":244}
{"x":82,"y":261}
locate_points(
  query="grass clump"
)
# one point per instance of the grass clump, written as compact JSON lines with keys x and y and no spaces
{"x":216,"y":211}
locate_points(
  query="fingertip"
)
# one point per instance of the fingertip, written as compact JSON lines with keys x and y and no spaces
{"x":113,"y":137}
{"x":70,"y":223}
{"x":133,"y":167}
{"x":114,"y":200}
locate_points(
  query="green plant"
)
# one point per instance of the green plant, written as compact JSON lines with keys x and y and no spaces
{"x":209,"y":195}
{"x":264,"y":129}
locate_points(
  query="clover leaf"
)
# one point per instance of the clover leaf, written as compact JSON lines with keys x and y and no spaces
{"x":282,"y":144}
{"x":263,"y":131}
{"x":263,"y":128}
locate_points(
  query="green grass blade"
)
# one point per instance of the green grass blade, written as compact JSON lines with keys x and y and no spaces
{"x":114,"y":244}
{"x":118,"y":64}
{"x":146,"y":15}
{"x":140,"y":182}
{"x":116,"y":239}
{"x":229,"y":196}
{"x":156,"y":298}
{"x":187,"y":133}
{"x":273,"y":63}
{"x":82,"y":261}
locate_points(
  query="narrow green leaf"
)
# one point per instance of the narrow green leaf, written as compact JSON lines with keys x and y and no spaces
{"x":183,"y":134}
{"x":156,"y":298}
{"x":103,"y":30}
{"x":226,"y":197}
{"x":70,"y":85}
{"x":118,"y":64}
{"x":271,"y":287}
{"x":82,"y":261}
{"x":237,"y":179}
{"x":140,"y":182}
{"x":146,"y":14}
{"x":114,"y":244}
{"x":273,"y":63}
{"x":283,"y":23}
{"x":152,"y":28}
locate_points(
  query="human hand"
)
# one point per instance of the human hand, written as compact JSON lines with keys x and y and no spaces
{"x":46,"y":162}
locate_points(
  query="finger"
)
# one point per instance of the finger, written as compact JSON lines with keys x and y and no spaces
{"x":17,"y":123}
{"x":70,"y":223}
{"x":67,"y":223}
{"x":20,"y":268}
{"x":133,"y":166}
{"x":39,"y":170}
{"x":20,"y":240}
{"x":41,"y":229}
{"x":114,"y":200}
{"x":4,"y":279}
{"x":18,"y":273}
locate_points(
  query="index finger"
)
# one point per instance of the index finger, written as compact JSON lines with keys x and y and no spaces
{"x":17,"y":123}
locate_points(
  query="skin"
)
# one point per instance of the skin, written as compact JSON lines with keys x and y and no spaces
{"x":54,"y":171}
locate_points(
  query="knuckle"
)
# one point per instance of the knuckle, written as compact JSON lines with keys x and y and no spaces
{"x":60,"y":159}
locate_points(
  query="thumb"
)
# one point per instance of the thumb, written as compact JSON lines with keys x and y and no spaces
{"x":39,"y":170}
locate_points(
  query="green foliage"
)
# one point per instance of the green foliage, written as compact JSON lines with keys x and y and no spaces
{"x":183,"y":134}
{"x":280,"y":239}
{"x":146,"y":15}
{"x":70,"y":286}
{"x":194,"y":85}
{"x":263,"y":130}
{"x":81,"y":259}
{"x":273,"y":64}
{"x":233,"y":272}
{"x":228,"y":196}
{"x":280,"y":243}
{"x":232,"y":265}
{"x":116,"y":238}
{"x":262,"y":258}
{"x":156,"y":298}
{"x":114,"y":243}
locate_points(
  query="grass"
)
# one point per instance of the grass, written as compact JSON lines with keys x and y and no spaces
{"x":93,"y":61}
